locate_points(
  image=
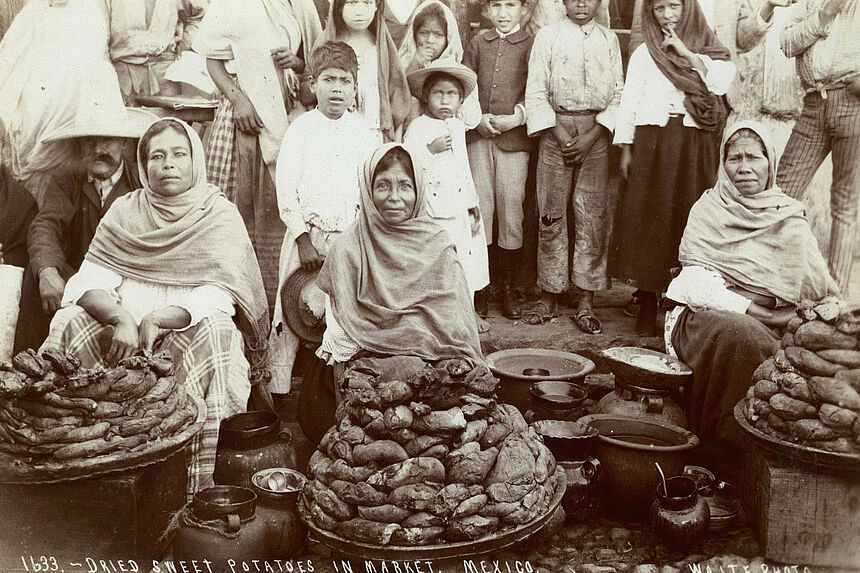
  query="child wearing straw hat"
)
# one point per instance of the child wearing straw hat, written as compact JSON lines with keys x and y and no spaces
{"x":438,"y":138}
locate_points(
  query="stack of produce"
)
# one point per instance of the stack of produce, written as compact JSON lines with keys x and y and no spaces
{"x":809,"y":392}
{"x":52,"y":410}
{"x":422,"y":453}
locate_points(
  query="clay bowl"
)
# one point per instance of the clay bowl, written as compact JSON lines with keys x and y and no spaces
{"x":555,"y":400}
{"x":628,"y":448}
{"x":518,"y":368}
{"x":724,"y":511}
{"x":568,"y":441}
{"x":634,"y":366}
{"x":279,"y":480}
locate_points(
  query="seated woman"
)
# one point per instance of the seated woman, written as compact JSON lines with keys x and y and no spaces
{"x":394,"y":284}
{"x":165,"y":271}
{"x":748,"y":259}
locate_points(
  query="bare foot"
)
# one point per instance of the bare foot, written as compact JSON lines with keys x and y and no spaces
{"x":483,"y":325}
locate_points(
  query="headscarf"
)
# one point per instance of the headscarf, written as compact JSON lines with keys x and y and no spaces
{"x":399,"y":289}
{"x":706,"y":108}
{"x":394,"y":97}
{"x":453,"y":50}
{"x":762,"y":242}
{"x":196,"y":238}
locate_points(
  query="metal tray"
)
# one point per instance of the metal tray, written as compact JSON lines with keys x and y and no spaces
{"x":490,"y":544}
{"x":18,"y":470}
{"x":813,"y":458}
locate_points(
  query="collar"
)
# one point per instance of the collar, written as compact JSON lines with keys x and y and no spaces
{"x":513,"y":31}
{"x":586,"y":28}
{"x":514,"y":36}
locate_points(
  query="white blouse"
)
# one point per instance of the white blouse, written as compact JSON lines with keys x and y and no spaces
{"x":140,"y":298}
{"x":649,"y":97}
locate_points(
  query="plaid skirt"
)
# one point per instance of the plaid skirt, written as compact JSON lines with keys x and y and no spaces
{"x":210,"y":363}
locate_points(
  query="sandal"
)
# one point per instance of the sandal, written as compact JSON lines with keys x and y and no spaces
{"x":539,"y":313}
{"x":587,"y":322}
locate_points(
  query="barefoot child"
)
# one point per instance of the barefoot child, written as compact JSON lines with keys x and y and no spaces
{"x":438,"y":139}
{"x":573,"y":93}
{"x":382,"y":95}
{"x":317,"y":184}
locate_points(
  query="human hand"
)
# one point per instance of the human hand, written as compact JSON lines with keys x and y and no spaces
{"x":505,"y":123}
{"x":51,"y":287}
{"x":286,"y":59}
{"x":309,"y":257}
{"x":440,"y":144}
{"x":766,"y":11}
{"x":149,"y":332}
{"x":125,"y":340}
{"x":626,"y":160}
{"x":579,"y":146}
{"x":245,"y":116}
{"x":674,"y":42}
{"x":485,"y":128}
{"x":475,"y":220}
{"x":829,"y":10}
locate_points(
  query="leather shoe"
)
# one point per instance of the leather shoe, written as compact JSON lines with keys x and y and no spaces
{"x":482,"y":302}
{"x":510,"y":307}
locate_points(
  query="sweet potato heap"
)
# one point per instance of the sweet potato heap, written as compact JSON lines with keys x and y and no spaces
{"x":809,"y":392}
{"x":53,"y":410}
{"x":422,"y":453}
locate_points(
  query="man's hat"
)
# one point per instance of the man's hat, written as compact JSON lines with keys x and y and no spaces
{"x":303,"y":305}
{"x":101,"y":119}
{"x":464,"y":75}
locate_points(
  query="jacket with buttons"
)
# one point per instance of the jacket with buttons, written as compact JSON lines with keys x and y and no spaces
{"x":68,"y":216}
{"x":502,"y":67}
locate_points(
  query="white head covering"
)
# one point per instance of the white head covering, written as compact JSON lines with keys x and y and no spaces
{"x":454,"y":49}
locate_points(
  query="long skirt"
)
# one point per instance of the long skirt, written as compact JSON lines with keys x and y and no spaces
{"x":210,"y":363}
{"x":723,"y":349}
{"x":235,"y":165}
{"x":672,"y":166}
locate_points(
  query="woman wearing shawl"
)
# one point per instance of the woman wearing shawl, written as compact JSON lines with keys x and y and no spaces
{"x":394,"y":284}
{"x":382,"y":95}
{"x":668,"y":126}
{"x":167,"y":269}
{"x":433,"y":35}
{"x":255,"y":51}
{"x":748,"y":259}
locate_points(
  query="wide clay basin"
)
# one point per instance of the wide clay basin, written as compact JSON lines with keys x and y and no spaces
{"x":518,"y":368}
{"x":628,"y":449}
{"x":644,"y":368}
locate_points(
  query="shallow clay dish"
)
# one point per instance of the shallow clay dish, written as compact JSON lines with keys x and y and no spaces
{"x":644,"y":368}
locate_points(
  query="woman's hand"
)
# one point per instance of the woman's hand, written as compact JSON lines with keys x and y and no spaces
{"x":150,"y":331}
{"x":440,"y":144}
{"x":626,"y":160}
{"x":475,"y":220}
{"x":245,"y":116}
{"x":286,"y":59}
{"x":486,"y":128}
{"x":309,"y":257}
{"x":125,"y":339}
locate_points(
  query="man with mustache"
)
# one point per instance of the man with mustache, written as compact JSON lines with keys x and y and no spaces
{"x":71,"y":210}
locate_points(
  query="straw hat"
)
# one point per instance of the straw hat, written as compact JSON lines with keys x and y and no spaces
{"x":303,"y":305}
{"x":466,"y":77}
{"x":97,"y":119}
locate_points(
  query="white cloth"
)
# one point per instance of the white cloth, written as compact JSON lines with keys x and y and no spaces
{"x":105,"y":186}
{"x":339,"y":346}
{"x":318,"y":194}
{"x":140,"y":298}
{"x":367,"y":102}
{"x":649,"y":97}
{"x":141,"y":30}
{"x":246,"y":32}
{"x":53,"y":59}
{"x":451,"y":191}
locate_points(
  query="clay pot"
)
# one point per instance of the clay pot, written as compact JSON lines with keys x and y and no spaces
{"x":250,"y":442}
{"x":234,"y":508}
{"x":276,"y":506}
{"x":582,"y":498}
{"x":628,"y":449}
{"x":680,"y":517}
{"x":555,"y":400}
{"x":642,"y":403}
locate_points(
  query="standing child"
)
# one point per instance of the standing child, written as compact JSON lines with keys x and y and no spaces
{"x":438,"y":139}
{"x":574,"y":89}
{"x":382,"y":95}
{"x":317,"y":184}
{"x":669,"y":126}
{"x":499,"y":147}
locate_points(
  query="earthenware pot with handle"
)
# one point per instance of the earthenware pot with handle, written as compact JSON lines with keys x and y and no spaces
{"x":680,"y":517}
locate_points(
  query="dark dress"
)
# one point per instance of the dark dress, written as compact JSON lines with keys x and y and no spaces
{"x":672,"y":166}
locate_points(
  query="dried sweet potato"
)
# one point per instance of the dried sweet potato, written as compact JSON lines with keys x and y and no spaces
{"x":367,"y":531}
{"x":789,"y":408}
{"x":811,"y":430}
{"x":360,"y":493}
{"x":439,"y":451}
{"x":764,"y":389}
{"x":471,"y":527}
{"x":386,"y":513}
{"x":421,"y":443}
{"x":470,"y":506}
{"x":82,"y":405}
{"x":159,"y":391}
{"x":413,"y":470}
{"x":42,"y":410}
{"x":808,"y":361}
{"x":86,"y":433}
{"x":62,"y":362}
{"x":29,"y":363}
{"x":411,"y":536}
{"x":398,"y":417}
{"x":835,"y":391}
{"x":330,"y":502}
{"x":176,"y":421}
{"x":817,"y":335}
{"x":139,"y":426}
{"x":847,"y":358}
{"x":423,"y":519}
{"x":414,"y":497}
{"x":836,"y":417}
{"x":394,"y":392}
{"x":852,"y":377}
{"x":94,"y":391}
{"x":765,"y":370}
{"x":795,"y":386}
{"x":473,"y":433}
{"x":472,"y":468}
{"x":441,"y":422}
{"x":383,"y":452}
{"x":87,"y":449}
{"x":781,"y":362}
{"x":776,"y":422}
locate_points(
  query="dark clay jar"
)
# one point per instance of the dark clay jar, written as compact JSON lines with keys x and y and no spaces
{"x":276,"y":506}
{"x":250,"y":442}
{"x":681,"y":517}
